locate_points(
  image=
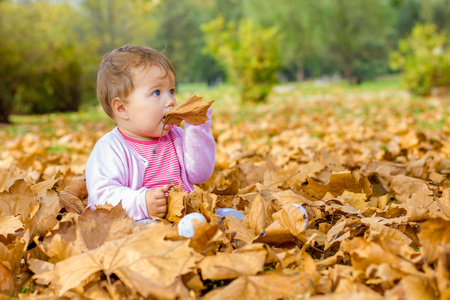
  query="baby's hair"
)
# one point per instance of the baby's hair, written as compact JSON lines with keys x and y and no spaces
{"x":115,"y":74}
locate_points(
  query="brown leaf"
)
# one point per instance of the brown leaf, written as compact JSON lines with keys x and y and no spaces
{"x":59,"y":248}
{"x":9,"y":225}
{"x":14,"y":174}
{"x":18,"y":200}
{"x":275,"y":235}
{"x":248,"y":261}
{"x":192,"y":110}
{"x":71,"y":203}
{"x":434,"y":239}
{"x":256,"y":218}
{"x":241,"y":232}
{"x":207,"y":238}
{"x":148,"y":288}
{"x":95,"y":227}
{"x":145,"y":253}
{"x":415,"y":287}
{"x":40,"y":266}
{"x":176,"y":207}
{"x":275,"y":285}
{"x":293,"y":219}
{"x":45,"y":218}
{"x":357,"y":200}
{"x":43,"y":186}
{"x":289,"y":196}
{"x":339,"y":182}
{"x":10,"y":258}
{"x":444,"y":202}
{"x":383,"y":260}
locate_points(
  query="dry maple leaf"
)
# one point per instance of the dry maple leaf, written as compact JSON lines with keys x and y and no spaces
{"x":176,"y":206}
{"x":10,"y":258}
{"x":257,"y":215}
{"x":192,"y":110}
{"x":142,"y":258}
{"x":248,"y":260}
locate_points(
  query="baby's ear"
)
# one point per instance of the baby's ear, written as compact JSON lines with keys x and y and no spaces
{"x":119,"y":108}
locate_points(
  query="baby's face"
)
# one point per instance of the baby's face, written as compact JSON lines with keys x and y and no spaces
{"x":153,"y":96}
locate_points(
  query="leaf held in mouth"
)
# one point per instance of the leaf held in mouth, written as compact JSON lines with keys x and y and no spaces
{"x":192,"y":110}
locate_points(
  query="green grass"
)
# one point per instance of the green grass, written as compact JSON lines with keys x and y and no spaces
{"x":227,"y":103}
{"x":50,"y":123}
{"x":318,"y":87}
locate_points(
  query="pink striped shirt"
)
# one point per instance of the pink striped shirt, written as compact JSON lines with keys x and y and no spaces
{"x":164,"y":167}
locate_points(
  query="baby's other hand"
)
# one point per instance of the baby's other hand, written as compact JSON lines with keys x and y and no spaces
{"x":156,"y":201}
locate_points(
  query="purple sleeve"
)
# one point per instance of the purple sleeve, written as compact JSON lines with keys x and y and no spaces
{"x":199,"y":151}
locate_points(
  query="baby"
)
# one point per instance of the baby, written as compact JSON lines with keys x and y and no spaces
{"x":136,"y":87}
{"x":136,"y":163}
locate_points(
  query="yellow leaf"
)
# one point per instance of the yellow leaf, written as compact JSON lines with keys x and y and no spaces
{"x":357,"y":200}
{"x":176,"y":207}
{"x":9,"y":225}
{"x":241,"y":232}
{"x":434,"y":239}
{"x":256,"y":217}
{"x":293,"y":219}
{"x":10,"y":259}
{"x":232,"y":265}
{"x":146,"y":254}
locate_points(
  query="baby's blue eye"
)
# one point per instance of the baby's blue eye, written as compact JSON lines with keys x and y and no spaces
{"x":172,"y":91}
{"x":156,"y":93}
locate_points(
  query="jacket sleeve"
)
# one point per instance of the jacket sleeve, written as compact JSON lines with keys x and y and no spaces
{"x":107,"y":181}
{"x":199,"y":151}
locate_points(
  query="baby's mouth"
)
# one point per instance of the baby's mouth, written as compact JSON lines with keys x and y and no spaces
{"x":167,"y":126}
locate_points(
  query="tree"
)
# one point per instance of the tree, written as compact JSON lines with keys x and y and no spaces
{"x":436,"y":12}
{"x":35,"y":58}
{"x":248,"y":52}
{"x":113,"y":23}
{"x":301,"y":29}
{"x":358,"y":32}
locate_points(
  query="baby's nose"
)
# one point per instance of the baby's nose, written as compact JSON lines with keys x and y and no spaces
{"x":170,"y":102}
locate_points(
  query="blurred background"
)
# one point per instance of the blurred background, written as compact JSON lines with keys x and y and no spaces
{"x":50,"y":50}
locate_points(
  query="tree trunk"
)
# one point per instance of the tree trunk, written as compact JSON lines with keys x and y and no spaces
{"x":4,"y":111}
{"x":300,"y":75}
{"x":348,"y":68}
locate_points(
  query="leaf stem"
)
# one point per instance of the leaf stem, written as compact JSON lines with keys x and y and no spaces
{"x":154,"y":151}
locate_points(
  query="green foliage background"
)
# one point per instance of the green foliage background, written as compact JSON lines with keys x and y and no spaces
{"x":425,"y":58}
{"x":249,"y":53}
{"x":50,"y":50}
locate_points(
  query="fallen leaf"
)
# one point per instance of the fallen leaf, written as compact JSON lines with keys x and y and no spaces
{"x":338,"y":183}
{"x":275,"y":285}
{"x":256,"y":218}
{"x":106,"y":223}
{"x":434,"y":238}
{"x":9,"y":225}
{"x":293,"y":219}
{"x":175,"y":204}
{"x":238,"y":229}
{"x":232,"y":265}
{"x":18,"y":200}
{"x":207,"y":239}
{"x":146,"y":253}
{"x":10,"y":258}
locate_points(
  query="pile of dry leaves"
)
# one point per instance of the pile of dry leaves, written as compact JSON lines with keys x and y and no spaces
{"x":373,"y":178}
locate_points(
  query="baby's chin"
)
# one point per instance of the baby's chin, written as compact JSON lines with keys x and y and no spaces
{"x":167,"y":129}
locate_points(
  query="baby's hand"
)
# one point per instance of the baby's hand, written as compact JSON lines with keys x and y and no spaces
{"x":156,"y":202}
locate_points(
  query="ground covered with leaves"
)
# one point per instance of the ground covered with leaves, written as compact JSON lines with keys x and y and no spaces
{"x":371,"y":170}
